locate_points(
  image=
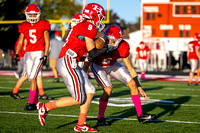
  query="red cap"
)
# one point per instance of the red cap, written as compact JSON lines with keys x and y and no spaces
{"x":58,"y":33}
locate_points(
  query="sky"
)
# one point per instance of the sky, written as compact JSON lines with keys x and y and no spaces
{"x":129,"y":10}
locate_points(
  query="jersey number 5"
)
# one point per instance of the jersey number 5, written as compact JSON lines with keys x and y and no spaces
{"x":32,"y":36}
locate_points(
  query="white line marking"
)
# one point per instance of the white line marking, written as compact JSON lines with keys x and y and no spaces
{"x":171,"y":94}
{"x":173,"y":121}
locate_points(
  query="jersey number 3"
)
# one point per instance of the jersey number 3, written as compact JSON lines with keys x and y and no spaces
{"x":32,"y":36}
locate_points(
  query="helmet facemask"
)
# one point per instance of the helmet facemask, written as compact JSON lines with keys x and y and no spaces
{"x":99,"y":25}
{"x":32,"y":17}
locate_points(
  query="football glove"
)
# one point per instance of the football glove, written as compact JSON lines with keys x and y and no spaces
{"x":16,"y":58}
{"x":44,"y":60}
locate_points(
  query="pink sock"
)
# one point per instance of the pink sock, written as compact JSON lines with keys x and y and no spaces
{"x":143,"y":75}
{"x":31,"y":96}
{"x":36,"y":98}
{"x":102,"y":108}
{"x":137,"y":103}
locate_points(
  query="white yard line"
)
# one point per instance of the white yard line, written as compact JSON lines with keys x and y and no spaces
{"x":149,"y":93}
{"x":172,"y":121}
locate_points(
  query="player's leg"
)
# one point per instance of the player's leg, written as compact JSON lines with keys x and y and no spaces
{"x":41,"y":89}
{"x":33,"y":65}
{"x":90,"y":91}
{"x":73,"y":80}
{"x":121,"y":74}
{"x":193,"y":65}
{"x":15,"y":91}
{"x":53,"y":63}
{"x":195,"y":74}
{"x":101,"y":77}
{"x":142,"y":67}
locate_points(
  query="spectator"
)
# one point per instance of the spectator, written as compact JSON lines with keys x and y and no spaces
{"x":55,"y":47}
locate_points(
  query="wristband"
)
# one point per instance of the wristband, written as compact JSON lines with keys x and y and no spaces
{"x":137,"y":81}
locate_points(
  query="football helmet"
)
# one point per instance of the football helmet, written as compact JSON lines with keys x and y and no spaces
{"x":196,"y":36}
{"x":96,"y":14}
{"x":113,"y":32}
{"x":142,"y":45}
{"x":77,"y":18}
{"x":32,"y":9}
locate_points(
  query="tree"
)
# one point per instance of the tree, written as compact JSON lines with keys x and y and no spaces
{"x":10,"y":10}
{"x":14,"y":10}
{"x":125,"y":27}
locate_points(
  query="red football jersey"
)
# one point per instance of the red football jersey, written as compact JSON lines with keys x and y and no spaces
{"x":74,"y":41}
{"x":109,"y":59}
{"x":34,"y":34}
{"x":23,"y":49}
{"x":191,"y":48}
{"x":142,"y":53}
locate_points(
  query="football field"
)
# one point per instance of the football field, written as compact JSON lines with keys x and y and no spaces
{"x":176,"y":105}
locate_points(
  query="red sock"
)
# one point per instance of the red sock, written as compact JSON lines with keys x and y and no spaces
{"x":51,"y":105}
{"x":31,"y":96}
{"x":102,"y":108}
{"x":36,"y":98}
{"x":15,"y":90}
{"x":137,"y":103}
{"x":82,"y":118}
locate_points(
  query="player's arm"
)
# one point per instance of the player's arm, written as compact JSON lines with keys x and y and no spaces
{"x":19,"y":45}
{"x":134,"y":74}
{"x":129,"y":67}
{"x":197,"y":52}
{"x":188,"y":56}
{"x":46,"y":40}
{"x":93,"y":52}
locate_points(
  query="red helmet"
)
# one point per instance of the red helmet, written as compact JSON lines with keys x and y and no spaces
{"x":197,"y":36}
{"x":95,"y":13}
{"x":142,"y":45}
{"x":113,"y":32}
{"x":77,"y":18}
{"x":32,"y":9}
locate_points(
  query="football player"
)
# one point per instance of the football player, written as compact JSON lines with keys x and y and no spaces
{"x":143,"y":57}
{"x":79,"y":41}
{"x":36,"y":33}
{"x":77,"y":18}
{"x":106,"y":64}
{"x":14,"y":94}
{"x":193,"y":58}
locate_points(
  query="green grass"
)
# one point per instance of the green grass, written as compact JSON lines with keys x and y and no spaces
{"x":179,"y":116}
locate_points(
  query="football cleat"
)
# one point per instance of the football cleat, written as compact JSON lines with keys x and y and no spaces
{"x":84,"y":128}
{"x":189,"y":84}
{"x":56,"y":80}
{"x":146,"y":117}
{"x":197,"y":84}
{"x":30,"y":106}
{"x":45,"y":97}
{"x":42,"y":112}
{"x":102,"y":122}
{"x":15,"y":96}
